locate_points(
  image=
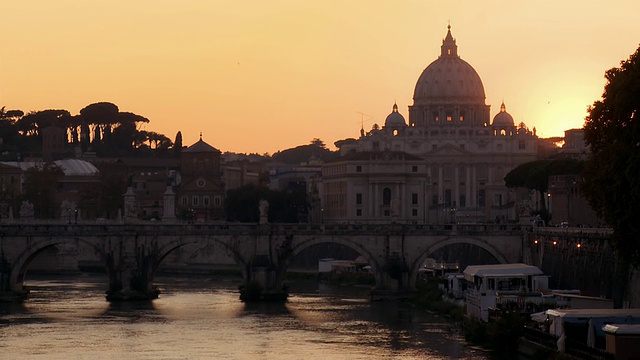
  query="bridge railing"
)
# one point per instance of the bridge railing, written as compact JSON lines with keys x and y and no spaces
{"x":212,"y":228}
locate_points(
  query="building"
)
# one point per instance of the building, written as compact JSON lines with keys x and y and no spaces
{"x":374,"y":186}
{"x":77,"y":176}
{"x":461,"y":155}
{"x":201,"y":191}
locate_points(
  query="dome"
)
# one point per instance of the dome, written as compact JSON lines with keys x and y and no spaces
{"x":502,"y":119}
{"x":449,"y":77}
{"x":395,"y":119}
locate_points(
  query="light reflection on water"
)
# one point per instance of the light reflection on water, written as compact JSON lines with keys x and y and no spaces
{"x":202,"y":319}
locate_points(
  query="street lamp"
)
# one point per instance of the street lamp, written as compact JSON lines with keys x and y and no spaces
{"x":453,"y":212}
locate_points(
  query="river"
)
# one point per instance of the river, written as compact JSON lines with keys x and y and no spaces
{"x":202,"y":318}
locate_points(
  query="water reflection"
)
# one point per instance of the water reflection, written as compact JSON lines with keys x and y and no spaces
{"x":197,"y":318}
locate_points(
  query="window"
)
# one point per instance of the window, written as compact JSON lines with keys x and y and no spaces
{"x":358,"y":212}
{"x":521,"y":145}
{"x":386,"y":196}
{"x":195,"y":201}
{"x":449,"y":117}
{"x":358,"y":168}
{"x":481,"y":195}
{"x":436,"y":117}
{"x":184,"y":201}
{"x":434,"y":200}
{"x":447,"y":196}
{"x":205,"y":201}
{"x":414,"y":199}
{"x":447,"y":172}
{"x":497,"y":199}
{"x":463,"y":201}
{"x":358,"y":199}
{"x":414,"y":168}
{"x":216,"y":201}
{"x":414,"y":212}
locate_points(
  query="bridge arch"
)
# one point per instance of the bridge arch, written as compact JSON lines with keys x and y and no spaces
{"x":21,"y":263}
{"x":199,"y":241}
{"x":300,"y":245}
{"x":481,"y":243}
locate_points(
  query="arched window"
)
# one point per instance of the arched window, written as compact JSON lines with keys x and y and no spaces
{"x":386,"y":196}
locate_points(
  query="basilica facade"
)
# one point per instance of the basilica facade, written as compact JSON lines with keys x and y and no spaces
{"x":446,"y":164}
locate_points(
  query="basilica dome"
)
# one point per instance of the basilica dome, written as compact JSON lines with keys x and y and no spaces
{"x":503,"y":118}
{"x":449,"y":78}
{"x":395,"y":119}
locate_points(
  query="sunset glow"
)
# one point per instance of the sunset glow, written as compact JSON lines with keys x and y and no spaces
{"x":257,"y":76}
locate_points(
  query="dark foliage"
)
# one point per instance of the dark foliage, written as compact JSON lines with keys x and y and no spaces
{"x":305,"y":153}
{"x":40,"y":188}
{"x":612,"y":171}
{"x":534,"y":175}
{"x":242,"y":204}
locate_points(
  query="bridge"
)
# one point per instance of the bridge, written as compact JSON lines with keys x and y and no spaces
{"x":131,"y":253}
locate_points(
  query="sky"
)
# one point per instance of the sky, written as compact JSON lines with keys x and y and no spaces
{"x":258,"y":76}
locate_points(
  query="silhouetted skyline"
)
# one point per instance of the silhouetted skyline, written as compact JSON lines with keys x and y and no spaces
{"x":261,"y":77}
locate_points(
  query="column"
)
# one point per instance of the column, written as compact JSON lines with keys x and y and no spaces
{"x":474,"y":186}
{"x":456,"y":184}
{"x":440,"y":183}
{"x":468,"y":181}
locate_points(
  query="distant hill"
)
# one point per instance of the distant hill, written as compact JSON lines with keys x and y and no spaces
{"x":305,"y":154}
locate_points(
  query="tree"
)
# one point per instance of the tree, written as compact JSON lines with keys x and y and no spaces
{"x":105,"y":198}
{"x":534,"y":175}
{"x":102,"y":116}
{"x":316,"y":150}
{"x":612,"y":171}
{"x":242,"y":204}
{"x":177,"y":145}
{"x":40,"y":186}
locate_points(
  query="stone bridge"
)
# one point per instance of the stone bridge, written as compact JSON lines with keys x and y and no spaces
{"x":131,"y":253}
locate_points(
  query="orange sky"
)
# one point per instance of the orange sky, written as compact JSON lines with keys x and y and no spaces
{"x":261,"y":76}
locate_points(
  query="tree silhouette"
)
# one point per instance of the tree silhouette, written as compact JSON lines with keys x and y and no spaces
{"x":534,"y":175}
{"x":177,"y":145}
{"x":612,"y":173}
{"x":40,"y":183}
{"x":100,"y":117}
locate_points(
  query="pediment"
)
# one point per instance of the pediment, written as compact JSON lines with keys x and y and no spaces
{"x":448,"y":150}
{"x":201,"y":183}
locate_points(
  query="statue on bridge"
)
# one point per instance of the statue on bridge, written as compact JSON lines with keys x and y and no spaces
{"x":263,"y":206}
{"x":26,"y":210}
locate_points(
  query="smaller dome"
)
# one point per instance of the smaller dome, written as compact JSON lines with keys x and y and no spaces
{"x":502,"y":119}
{"x":395,"y":119}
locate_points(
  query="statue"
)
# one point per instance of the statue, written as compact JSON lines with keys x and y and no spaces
{"x":395,"y":208}
{"x":26,"y":209}
{"x":263,"y":206}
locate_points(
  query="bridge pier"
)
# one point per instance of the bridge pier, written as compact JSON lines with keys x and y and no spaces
{"x":264,"y":282}
{"x":401,"y":286}
{"x":131,"y":276}
{"x":8,"y":293}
